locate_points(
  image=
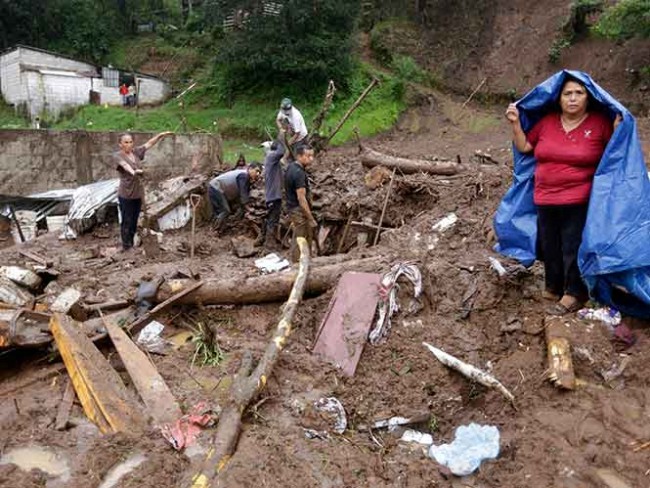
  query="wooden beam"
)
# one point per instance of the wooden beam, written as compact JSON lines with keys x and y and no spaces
{"x":104,"y":398}
{"x":36,"y":257}
{"x":139,"y":323}
{"x":153,"y":390}
{"x":65,"y":406}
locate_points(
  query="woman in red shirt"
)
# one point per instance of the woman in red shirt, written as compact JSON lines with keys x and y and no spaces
{"x":568,"y":145}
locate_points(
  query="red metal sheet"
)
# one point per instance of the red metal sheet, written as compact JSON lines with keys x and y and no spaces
{"x":348,"y":320}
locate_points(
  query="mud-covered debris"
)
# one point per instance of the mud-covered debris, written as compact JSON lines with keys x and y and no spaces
{"x":388,"y":303}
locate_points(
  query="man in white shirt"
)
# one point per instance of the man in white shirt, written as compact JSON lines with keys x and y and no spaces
{"x":291,"y":122}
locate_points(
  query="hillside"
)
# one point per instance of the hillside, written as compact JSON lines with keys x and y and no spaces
{"x":515,"y":44}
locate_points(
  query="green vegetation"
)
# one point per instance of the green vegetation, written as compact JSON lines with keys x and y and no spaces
{"x":306,"y":45}
{"x":206,"y":346}
{"x":626,"y":19}
{"x":9,"y":119}
{"x":250,"y":118}
{"x":82,"y":28}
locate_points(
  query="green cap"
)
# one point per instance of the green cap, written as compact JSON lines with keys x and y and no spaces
{"x":286,"y":104}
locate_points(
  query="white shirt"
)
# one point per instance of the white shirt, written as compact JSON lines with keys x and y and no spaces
{"x":296,"y":121}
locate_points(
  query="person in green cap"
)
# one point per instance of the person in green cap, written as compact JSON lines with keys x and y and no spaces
{"x":291,"y":124}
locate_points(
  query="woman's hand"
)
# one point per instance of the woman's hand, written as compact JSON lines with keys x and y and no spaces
{"x":617,"y":120}
{"x":512,"y":113}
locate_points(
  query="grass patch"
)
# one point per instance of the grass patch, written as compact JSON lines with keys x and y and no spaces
{"x":9,"y":119}
{"x":247,"y":121}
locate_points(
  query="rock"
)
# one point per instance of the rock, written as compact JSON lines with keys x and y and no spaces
{"x":611,"y":479}
{"x":243,"y":247}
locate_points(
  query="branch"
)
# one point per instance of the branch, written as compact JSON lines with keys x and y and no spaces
{"x":354,"y":106}
{"x":246,"y":387}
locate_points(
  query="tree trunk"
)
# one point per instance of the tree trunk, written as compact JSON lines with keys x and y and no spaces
{"x":269,"y":288}
{"x":247,"y":385}
{"x":371,"y":158}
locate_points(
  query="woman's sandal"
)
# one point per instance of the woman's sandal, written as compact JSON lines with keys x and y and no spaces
{"x":558,"y":310}
{"x":549,"y":295}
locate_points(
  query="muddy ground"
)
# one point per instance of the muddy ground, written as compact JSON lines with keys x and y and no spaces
{"x":552,"y":438}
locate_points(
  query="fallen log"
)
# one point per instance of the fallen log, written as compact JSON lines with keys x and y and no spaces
{"x":247,"y":385}
{"x":263,"y":289}
{"x":371,"y":158}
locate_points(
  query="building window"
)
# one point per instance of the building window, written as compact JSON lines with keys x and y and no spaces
{"x":111,"y":77}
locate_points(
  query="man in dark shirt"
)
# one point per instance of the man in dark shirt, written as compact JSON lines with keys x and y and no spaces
{"x":232,"y":188}
{"x":273,"y":195}
{"x":298,"y":198}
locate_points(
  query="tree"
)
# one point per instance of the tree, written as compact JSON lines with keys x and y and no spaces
{"x":307,"y":44}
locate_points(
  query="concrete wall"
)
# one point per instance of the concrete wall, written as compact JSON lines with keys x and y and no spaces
{"x":33,"y":161}
{"x":11,"y":84}
{"x":53,"y":93}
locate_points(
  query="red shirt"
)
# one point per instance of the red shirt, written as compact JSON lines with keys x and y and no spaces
{"x":567,"y":161}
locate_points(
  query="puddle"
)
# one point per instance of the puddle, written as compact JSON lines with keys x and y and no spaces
{"x":48,"y":461}
{"x":117,"y":472}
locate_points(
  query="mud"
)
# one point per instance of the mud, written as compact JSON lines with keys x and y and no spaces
{"x":550,"y":438}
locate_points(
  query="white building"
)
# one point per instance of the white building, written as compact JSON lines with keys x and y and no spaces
{"x":47,"y":83}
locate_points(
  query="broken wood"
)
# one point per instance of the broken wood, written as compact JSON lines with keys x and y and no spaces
{"x":269,"y":288}
{"x":36,"y":257}
{"x":109,"y":305}
{"x":173,"y":199}
{"x":153,"y":390}
{"x":469,"y":99}
{"x":247,"y":385}
{"x":558,"y":349}
{"x":139,"y":323}
{"x":383,"y":210}
{"x":344,"y":236}
{"x":63,"y":414}
{"x":18,"y":227}
{"x":102,"y":394}
{"x":327,"y":103}
{"x":354,"y":106}
{"x":469,"y":371}
{"x":371,"y":158}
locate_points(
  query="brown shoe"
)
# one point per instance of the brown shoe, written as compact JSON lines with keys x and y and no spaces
{"x":559,"y":309}
{"x":549,"y":295}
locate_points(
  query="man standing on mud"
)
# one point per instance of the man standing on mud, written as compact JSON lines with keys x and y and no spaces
{"x":273,"y":195}
{"x":299,"y":198}
{"x":232,"y":188}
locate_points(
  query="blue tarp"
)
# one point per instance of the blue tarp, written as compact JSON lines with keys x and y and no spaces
{"x":614,"y":257}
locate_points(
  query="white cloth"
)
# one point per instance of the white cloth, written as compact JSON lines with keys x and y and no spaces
{"x":296,"y":121}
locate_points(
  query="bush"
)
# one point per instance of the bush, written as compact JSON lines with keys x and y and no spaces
{"x":309,"y":43}
{"x":626,"y":19}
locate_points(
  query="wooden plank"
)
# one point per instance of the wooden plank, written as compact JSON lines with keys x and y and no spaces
{"x":345,"y":327}
{"x":36,"y":257}
{"x":139,"y":323}
{"x":155,"y":394}
{"x":100,"y":389}
{"x":65,"y":406}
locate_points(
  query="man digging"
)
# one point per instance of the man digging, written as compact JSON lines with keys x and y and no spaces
{"x":232,"y":188}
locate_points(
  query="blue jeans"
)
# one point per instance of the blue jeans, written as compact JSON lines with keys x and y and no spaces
{"x":220,"y":204}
